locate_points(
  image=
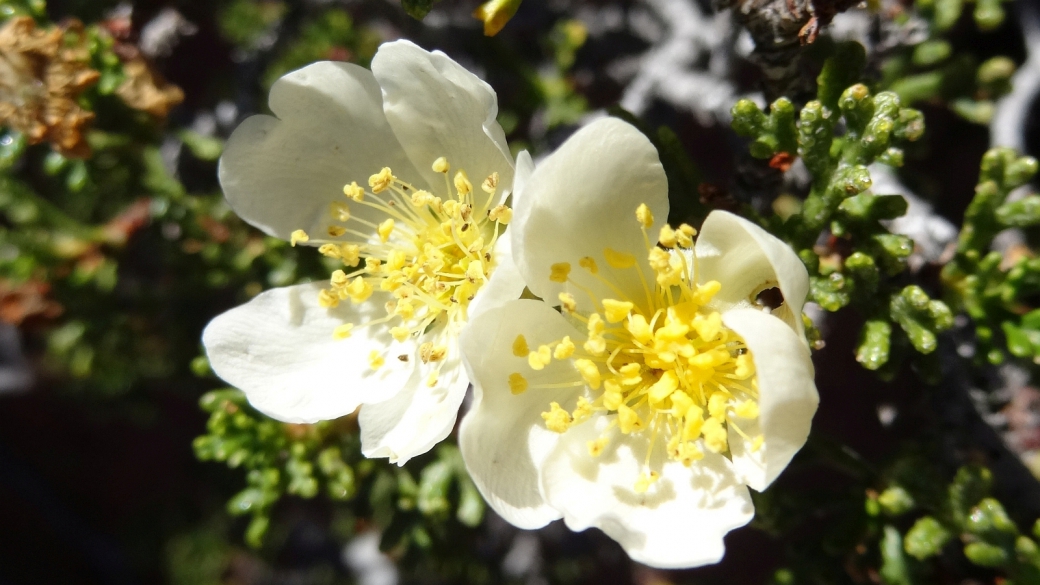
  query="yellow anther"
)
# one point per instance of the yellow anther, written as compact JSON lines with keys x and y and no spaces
{"x":339,"y":211}
{"x":451,"y":208}
{"x":756,"y":443}
{"x":596,"y":325}
{"x":619,"y":259}
{"x":421,"y":198}
{"x":462,"y":184}
{"x":404,"y":309}
{"x":567,"y":303}
{"x":433,"y":378}
{"x":557,"y":419}
{"x":327,"y":300}
{"x":672,"y":332}
{"x":336,"y":231}
{"x":338,"y":278}
{"x":358,"y":290}
{"x":664,"y":387}
{"x":350,"y":254}
{"x":501,"y":213}
{"x":517,"y":383}
{"x":400,"y":333}
{"x":559,"y":272}
{"x":645,"y":481}
{"x":589,"y":264}
{"x":628,"y":420}
{"x":638,"y":326}
{"x":342,"y":331}
{"x":685,"y":236}
{"x":613,"y":396}
{"x":441,"y":165}
{"x":375,"y":361}
{"x":520,"y":348}
{"x":707,"y":327}
{"x":745,"y":366}
{"x":385,"y":229}
{"x":717,"y":404}
{"x":747,"y":409}
{"x":589,"y":372}
{"x":596,"y":447}
{"x":354,"y":191}
{"x":329,"y":250}
{"x":715,"y":435}
{"x":681,"y":403}
{"x":690,"y":454}
{"x":707,"y":291}
{"x":616,"y":311}
{"x":381,"y":181}
{"x":428,"y":352}
{"x":693,"y":423}
{"x":666,"y":237}
{"x":396,"y":260}
{"x":645,"y":217}
{"x":490,"y":184}
{"x":298,"y":237}
{"x":582,"y":410}
{"x":631,"y":374}
{"x":475,"y":272}
{"x":660,"y":260}
{"x":565,"y":349}
{"x":373,"y":264}
{"x":539,"y":358}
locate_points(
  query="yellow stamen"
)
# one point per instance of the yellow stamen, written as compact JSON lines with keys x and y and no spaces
{"x":298,"y":237}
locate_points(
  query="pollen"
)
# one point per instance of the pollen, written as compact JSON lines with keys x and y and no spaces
{"x":441,"y":165}
{"x":375,"y":361}
{"x":560,"y":272}
{"x":501,"y":214}
{"x":520,"y":348}
{"x":664,"y":368}
{"x":342,"y":331}
{"x":385,"y":229}
{"x":354,"y":192}
{"x":462,"y":184}
{"x":382,"y":180}
{"x":298,"y":237}
{"x":517,"y":383}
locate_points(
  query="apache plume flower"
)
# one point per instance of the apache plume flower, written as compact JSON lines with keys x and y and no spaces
{"x":40,"y":80}
{"x":375,"y":168}
{"x":648,"y":391}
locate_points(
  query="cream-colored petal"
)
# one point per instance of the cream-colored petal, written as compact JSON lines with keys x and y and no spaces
{"x":746,"y":260}
{"x":504,"y":285}
{"x":436,"y":109}
{"x":583,"y":199}
{"x":280,"y":174}
{"x":503,"y":438}
{"x":418,"y":417}
{"x":787,"y":396}
{"x":279,"y":349}
{"x":524,"y":169}
{"x":679,"y":522}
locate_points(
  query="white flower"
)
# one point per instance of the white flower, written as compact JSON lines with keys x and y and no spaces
{"x":658,"y":391}
{"x":399,"y":174}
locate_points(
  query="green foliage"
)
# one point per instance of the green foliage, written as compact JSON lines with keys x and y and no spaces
{"x":860,"y":265}
{"x":932,"y":71}
{"x":991,"y":290}
{"x":325,"y":459}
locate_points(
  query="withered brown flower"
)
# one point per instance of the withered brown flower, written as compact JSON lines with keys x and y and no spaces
{"x":146,"y":90}
{"x":41,"y":78}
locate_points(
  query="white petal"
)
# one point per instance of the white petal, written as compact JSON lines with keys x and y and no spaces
{"x":279,"y":349}
{"x":436,"y":109}
{"x":746,"y":260}
{"x":505,"y":283}
{"x":679,"y":522}
{"x":503,"y":437}
{"x":418,"y":417}
{"x":582,"y":199}
{"x":524,"y":169}
{"x":280,"y":174}
{"x":787,"y":396}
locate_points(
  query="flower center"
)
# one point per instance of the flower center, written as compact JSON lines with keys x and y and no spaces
{"x":431,"y":253}
{"x":667,"y":368}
